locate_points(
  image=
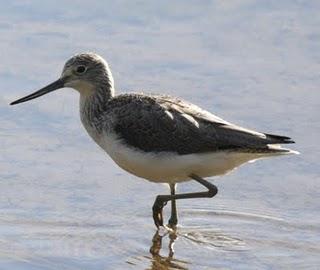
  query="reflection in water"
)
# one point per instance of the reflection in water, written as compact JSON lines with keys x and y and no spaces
{"x":201,"y":237}
{"x":164,"y":262}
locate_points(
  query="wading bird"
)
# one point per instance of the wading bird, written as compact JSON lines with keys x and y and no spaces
{"x":159,"y":138}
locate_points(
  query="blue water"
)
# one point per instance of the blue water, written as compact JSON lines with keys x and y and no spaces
{"x":65,"y":205}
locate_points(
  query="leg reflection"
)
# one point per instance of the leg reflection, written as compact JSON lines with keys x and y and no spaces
{"x":164,"y":262}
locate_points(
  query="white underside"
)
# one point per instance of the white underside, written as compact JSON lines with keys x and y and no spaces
{"x":170,"y":167}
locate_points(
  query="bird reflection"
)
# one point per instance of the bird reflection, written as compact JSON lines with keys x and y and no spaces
{"x":164,"y":262}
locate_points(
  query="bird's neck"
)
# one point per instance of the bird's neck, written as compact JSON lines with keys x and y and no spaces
{"x":93,"y":104}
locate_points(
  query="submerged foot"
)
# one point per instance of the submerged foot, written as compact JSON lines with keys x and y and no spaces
{"x":172,"y":223}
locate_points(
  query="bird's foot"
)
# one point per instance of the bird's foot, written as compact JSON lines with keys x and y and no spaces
{"x":172,"y":223}
{"x":157,"y":211}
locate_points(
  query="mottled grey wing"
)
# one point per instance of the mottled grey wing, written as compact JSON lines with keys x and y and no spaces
{"x":156,"y":124}
{"x":144,"y":123}
{"x":227,"y":133}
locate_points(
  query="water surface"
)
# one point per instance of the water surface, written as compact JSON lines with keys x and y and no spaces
{"x":66,"y":205}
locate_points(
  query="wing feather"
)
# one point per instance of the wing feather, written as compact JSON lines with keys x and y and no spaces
{"x":167,"y":124}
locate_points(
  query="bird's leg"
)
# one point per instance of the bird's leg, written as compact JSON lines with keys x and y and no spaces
{"x":157,"y":211}
{"x":173,"y":221}
{"x":162,"y":200}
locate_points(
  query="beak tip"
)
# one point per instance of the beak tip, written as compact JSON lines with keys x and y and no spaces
{"x":49,"y":88}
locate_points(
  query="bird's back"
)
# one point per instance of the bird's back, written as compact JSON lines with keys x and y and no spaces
{"x":155,"y":123}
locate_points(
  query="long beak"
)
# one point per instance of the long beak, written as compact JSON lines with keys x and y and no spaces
{"x":45,"y":90}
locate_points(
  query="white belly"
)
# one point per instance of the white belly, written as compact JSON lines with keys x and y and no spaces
{"x":170,"y":167}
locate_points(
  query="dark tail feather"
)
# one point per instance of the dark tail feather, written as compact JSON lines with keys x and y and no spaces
{"x":279,"y":139}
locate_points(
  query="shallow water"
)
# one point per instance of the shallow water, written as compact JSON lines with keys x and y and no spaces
{"x":71,"y":234}
{"x":65,"y":204}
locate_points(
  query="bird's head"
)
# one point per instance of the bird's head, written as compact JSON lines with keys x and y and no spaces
{"x":85,"y":72}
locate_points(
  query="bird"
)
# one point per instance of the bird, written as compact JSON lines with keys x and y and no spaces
{"x":160,"y":138}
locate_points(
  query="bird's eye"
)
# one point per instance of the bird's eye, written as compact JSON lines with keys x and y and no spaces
{"x":81,"y":69}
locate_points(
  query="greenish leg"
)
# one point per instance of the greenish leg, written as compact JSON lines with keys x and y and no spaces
{"x":173,"y":221}
{"x":161,"y":200}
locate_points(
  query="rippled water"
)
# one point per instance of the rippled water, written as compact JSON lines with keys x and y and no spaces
{"x":65,"y":205}
{"x":124,"y":238}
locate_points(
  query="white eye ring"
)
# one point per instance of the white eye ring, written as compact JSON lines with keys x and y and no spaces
{"x":81,"y":69}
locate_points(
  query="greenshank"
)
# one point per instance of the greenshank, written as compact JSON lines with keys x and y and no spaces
{"x":159,"y":138}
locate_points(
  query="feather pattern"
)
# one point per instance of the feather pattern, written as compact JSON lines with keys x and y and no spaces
{"x":154,"y":123}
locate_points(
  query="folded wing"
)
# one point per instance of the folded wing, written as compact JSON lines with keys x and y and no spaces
{"x":166,"y":124}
